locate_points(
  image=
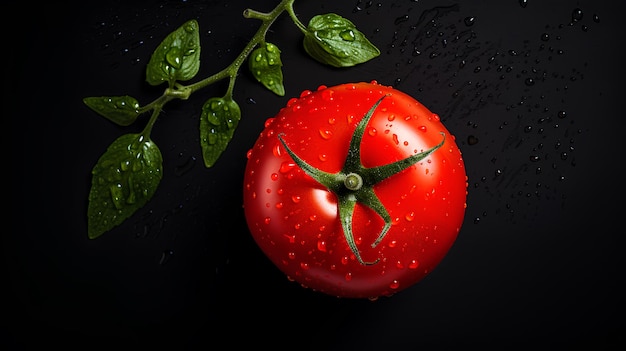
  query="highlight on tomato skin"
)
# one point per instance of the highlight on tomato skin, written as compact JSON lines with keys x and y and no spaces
{"x":373,"y":240}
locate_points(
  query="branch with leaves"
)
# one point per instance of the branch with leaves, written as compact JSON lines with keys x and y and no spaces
{"x":128,"y":174}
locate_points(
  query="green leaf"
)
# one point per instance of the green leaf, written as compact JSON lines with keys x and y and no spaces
{"x":177,"y":58}
{"x":218,"y":121}
{"x":334,"y":40}
{"x":265,"y":64}
{"x":124,"y":179}
{"x":122,"y":110}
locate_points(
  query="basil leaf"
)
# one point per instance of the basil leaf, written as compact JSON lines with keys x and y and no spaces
{"x":334,"y":40}
{"x":218,"y":121}
{"x":177,"y":58}
{"x":123,"y":180}
{"x":265,"y":64}
{"x":122,"y":110}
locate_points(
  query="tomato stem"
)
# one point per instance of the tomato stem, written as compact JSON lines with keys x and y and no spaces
{"x":355,"y":183}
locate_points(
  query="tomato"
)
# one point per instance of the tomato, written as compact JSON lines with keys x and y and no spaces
{"x":355,"y":190}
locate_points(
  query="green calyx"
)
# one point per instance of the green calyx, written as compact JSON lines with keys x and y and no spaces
{"x":355,"y":183}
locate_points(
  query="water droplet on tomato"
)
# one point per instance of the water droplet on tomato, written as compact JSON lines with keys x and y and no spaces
{"x":291,"y":255}
{"x":410,"y":216}
{"x":267,"y":220}
{"x":394,"y":285}
{"x":414,"y":264}
{"x":321,"y":245}
{"x":327,"y":95}
{"x":348,"y":277}
{"x":326,"y":134}
{"x":291,"y":102}
{"x":274,"y":176}
{"x":372,"y":131}
{"x":322,"y":157}
{"x":286,"y":166}
{"x":395,"y":139}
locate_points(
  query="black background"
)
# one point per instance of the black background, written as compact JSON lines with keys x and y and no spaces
{"x":538,"y":262}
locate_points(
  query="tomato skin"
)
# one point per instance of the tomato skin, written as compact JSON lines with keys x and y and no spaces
{"x":294,"y":219}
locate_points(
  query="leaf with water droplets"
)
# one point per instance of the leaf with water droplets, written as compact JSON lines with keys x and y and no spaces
{"x":334,"y":40}
{"x":122,"y":110}
{"x":177,"y":58}
{"x":218,"y":121}
{"x":123,"y":180}
{"x":265,"y":65}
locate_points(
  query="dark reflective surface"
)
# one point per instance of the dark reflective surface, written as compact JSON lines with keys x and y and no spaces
{"x":531,"y":90}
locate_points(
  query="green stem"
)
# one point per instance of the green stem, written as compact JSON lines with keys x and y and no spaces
{"x":179,"y":91}
{"x":294,"y":18}
{"x":355,"y":183}
{"x":147,"y":130}
{"x":259,"y":37}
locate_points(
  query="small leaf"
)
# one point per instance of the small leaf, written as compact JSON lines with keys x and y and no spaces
{"x":177,"y":58}
{"x":122,"y":110}
{"x":265,"y":65}
{"x":124,"y":179}
{"x":218,"y":121}
{"x":334,"y":40}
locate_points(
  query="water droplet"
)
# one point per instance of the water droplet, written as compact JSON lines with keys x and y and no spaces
{"x":372,"y":131}
{"x":348,"y":277}
{"x":326,"y":134}
{"x":347,"y":35}
{"x":173,"y":56}
{"x":410,"y":216}
{"x":321,"y":245}
{"x":286,"y":166}
{"x":277,"y":150}
{"x":401,"y":19}
{"x":472,"y":140}
{"x":274,"y":176}
{"x":394,"y":284}
{"x":414,"y":264}
{"x":395,"y":139}
{"x":577,"y":15}
{"x":469,"y":21}
{"x":165,"y":256}
{"x":596,"y":18}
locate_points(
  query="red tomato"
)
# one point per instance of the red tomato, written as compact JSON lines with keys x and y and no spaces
{"x":355,"y":190}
